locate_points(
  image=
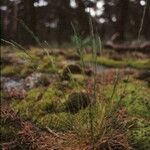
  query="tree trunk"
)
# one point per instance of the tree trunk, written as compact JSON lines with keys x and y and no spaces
{"x":146,"y":26}
{"x":29,"y":18}
{"x":123,"y":6}
{"x":14,"y":21}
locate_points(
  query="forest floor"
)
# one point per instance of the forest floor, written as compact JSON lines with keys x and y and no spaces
{"x":47,"y":99}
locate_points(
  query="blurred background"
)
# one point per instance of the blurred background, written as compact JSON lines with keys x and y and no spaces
{"x":114,"y":20}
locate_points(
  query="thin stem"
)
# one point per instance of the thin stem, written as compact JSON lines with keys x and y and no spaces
{"x":142,"y":20}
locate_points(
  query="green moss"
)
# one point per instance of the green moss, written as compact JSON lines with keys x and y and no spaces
{"x":136,"y":99}
{"x":110,"y":62}
{"x":105,"y":61}
{"x":7,"y":132}
{"x":139,"y":64}
{"x":28,"y":56}
{"x":69,"y":70}
{"x":26,"y":71}
{"x":2,"y":95}
{"x":34,"y":93}
{"x":46,"y":68}
{"x":76,"y":82}
{"x":79,"y":122}
{"x":50,"y":101}
{"x":10,"y":70}
{"x":22,"y":55}
{"x":77,"y":101}
{"x":47,"y":65}
{"x":46,"y":107}
{"x":26,"y":107}
{"x":78,"y":77}
{"x":39,"y":101}
{"x":140,"y":135}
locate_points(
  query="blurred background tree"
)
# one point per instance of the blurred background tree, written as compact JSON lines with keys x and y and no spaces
{"x":116,"y":20}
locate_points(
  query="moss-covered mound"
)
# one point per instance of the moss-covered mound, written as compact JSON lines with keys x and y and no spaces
{"x":71,"y":69}
{"x":77,"y":101}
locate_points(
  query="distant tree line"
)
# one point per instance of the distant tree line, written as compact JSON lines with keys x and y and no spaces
{"x":51,"y":20}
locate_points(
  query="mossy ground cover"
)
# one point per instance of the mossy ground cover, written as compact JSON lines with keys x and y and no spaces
{"x":49,"y":111}
{"x":104,"y":60}
{"x":136,"y":97}
{"x":31,"y":63}
{"x":10,"y":70}
{"x":45,"y":106}
{"x":136,"y":101}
